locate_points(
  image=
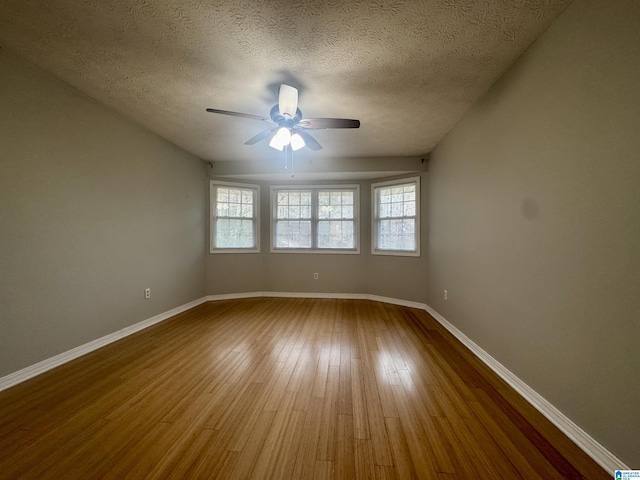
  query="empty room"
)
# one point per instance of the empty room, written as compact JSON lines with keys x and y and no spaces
{"x":376,"y":239}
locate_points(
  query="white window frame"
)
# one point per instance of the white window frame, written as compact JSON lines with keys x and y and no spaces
{"x":212,"y":217}
{"x":315,"y":220}
{"x":375,"y":218}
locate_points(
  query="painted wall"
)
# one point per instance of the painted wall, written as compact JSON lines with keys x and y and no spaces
{"x":93,"y":209}
{"x":397,"y":277}
{"x":534,"y":206}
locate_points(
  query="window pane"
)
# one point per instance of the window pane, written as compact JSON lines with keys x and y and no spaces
{"x":234,"y":220}
{"x":235,"y":195}
{"x":330,"y":225}
{"x":293,"y":204}
{"x":234,"y":233}
{"x":385,"y":210}
{"x":336,"y":234}
{"x":395,"y":202}
{"x":397,"y":234}
{"x":293,"y":234}
{"x":324,"y":211}
{"x":335,"y":204}
{"x":410,"y":194}
{"x":409,"y":209}
{"x":247,"y":211}
{"x":234,"y":210}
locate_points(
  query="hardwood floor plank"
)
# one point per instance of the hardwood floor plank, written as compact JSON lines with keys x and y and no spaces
{"x":281,"y":388}
{"x":329,"y":422}
{"x":252,"y":446}
{"x":419,"y":446}
{"x":401,"y":455}
{"x":282,"y":465}
{"x":271,"y":449}
{"x":345,"y":385}
{"x":307,"y":451}
{"x":364,"y":466}
{"x":360,"y":414}
{"x":345,"y":452}
{"x":384,"y":472}
{"x":375,"y":416}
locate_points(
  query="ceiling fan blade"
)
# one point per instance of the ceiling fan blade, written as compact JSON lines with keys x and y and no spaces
{"x":261,"y":136}
{"x":288,"y":100}
{"x":319,"y":123}
{"x":309,"y":141}
{"x":238,"y":114}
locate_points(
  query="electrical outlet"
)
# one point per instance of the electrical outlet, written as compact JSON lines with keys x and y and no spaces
{"x":444,"y":295}
{"x":147,"y":293}
{"x":315,"y":276}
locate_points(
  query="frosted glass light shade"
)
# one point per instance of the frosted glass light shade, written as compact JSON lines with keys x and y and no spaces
{"x":281,"y":139}
{"x":297,"y":142}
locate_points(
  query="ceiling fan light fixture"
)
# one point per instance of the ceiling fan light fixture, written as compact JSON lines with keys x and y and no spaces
{"x":274,"y":143}
{"x":297,"y":142}
{"x":286,"y":118}
{"x":281,"y":139}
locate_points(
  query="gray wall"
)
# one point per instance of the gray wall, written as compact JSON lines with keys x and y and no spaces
{"x":397,"y":277}
{"x":534,"y":205}
{"x":93,"y":209}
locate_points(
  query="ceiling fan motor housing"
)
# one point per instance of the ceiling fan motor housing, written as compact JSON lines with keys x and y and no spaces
{"x":283,"y":121}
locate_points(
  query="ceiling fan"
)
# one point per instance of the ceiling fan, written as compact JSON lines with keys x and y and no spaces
{"x":288,"y":129}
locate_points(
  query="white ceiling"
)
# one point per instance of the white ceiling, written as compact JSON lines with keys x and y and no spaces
{"x":407,"y":69}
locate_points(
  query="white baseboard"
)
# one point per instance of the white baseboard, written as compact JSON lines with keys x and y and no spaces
{"x":591,"y":447}
{"x":231,"y":296}
{"x":53,"y":362}
{"x":349,"y":296}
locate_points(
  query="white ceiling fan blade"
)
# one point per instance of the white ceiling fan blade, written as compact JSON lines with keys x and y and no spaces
{"x":288,"y":100}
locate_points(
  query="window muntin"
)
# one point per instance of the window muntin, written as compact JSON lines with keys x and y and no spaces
{"x":316,"y":219}
{"x":336,"y":219}
{"x":293,"y":219}
{"x":396,"y":220}
{"x":234,"y":218}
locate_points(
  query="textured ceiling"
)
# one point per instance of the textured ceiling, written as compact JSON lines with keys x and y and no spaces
{"x":407,"y":69}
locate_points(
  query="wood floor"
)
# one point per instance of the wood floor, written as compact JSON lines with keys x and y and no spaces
{"x":281,"y":388}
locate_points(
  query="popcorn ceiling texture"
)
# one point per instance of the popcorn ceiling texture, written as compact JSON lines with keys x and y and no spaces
{"x":407,"y":69}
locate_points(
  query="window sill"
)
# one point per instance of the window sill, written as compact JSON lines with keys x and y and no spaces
{"x":395,"y":253}
{"x":234,"y":250}
{"x":316,"y":251}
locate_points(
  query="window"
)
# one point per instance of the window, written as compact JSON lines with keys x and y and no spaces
{"x":319,"y":219}
{"x":234,"y":217}
{"x":396,"y":217}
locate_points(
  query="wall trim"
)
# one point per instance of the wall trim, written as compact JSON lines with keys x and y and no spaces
{"x":582,"y":439}
{"x":64,"y":357}
{"x":348,"y":296}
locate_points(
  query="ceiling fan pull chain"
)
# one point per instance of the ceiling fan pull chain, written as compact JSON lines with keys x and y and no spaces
{"x":289,"y":158}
